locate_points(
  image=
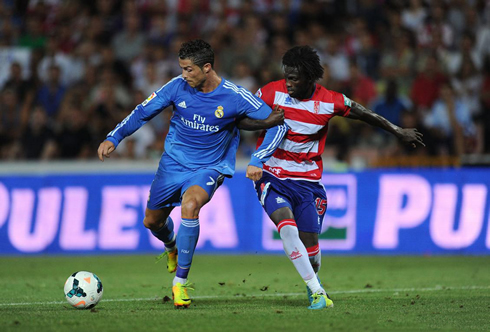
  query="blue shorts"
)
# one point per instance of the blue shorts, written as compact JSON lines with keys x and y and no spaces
{"x":172,"y":180}
{"x":307,"y":200}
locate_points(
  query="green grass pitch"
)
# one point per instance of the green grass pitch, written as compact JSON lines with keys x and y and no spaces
{"x":251,"y":293}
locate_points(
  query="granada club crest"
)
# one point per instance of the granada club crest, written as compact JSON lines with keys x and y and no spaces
{"x":219,"y":112}
{"x":317,"y":107}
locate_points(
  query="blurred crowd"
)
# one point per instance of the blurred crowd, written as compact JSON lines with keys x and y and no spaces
{"x":70,"y":70}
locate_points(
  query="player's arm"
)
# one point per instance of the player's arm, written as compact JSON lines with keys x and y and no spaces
{"x":275,"y":118}
{"x":407,"y":135}
{"x":272,"y":139}
{"x":143,"y":112}
{"x":137,"y":118}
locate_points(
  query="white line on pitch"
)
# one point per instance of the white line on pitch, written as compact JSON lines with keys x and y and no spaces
{"x":352,"y":291}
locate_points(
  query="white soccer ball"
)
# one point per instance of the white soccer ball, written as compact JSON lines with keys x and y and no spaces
{"x":83,"y":290}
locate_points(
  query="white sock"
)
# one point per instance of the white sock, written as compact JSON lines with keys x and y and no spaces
{"x":296,"y":251}
{"x":314,"y":285}
{"x":181,"y":280}
{"x":315,"y":255}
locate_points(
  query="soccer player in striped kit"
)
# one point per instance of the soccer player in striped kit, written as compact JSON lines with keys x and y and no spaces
{"x":290,"y":190}
{"x":200,"y":151}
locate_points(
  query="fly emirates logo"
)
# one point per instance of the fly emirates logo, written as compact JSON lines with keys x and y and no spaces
{"x":198,"y":123}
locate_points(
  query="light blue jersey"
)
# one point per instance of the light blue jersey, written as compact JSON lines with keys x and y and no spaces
{"x":202,"y":130}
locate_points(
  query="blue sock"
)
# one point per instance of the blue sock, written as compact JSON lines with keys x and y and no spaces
{"x":166,"y":233}
{"x":187,"y":240}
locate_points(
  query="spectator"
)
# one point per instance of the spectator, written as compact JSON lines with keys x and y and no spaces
{"x":128,"y":43}
{"x":336,"y":59}
{"x":51,"y":92}
{"x":426,"y":86}
{"x":33,"y":37}
{"x":484,"y":118}
{"x":10,"y":123}
{"x":108,"y":52}
{"x":450,"y":124}
{"x":436,"y":23}
{"x":468,"y":83}
{"x":39,"y":136}
{"x":16,"y":82}
{"x":74,"y":138}
{"x":242,"y":76}
{"x":398,"y":63}
{"x":368,"y":57}
{"x":54,"y":56}
{"x":391,"y":106}
{"x":363,"y":88}
{"x":414,"y":15}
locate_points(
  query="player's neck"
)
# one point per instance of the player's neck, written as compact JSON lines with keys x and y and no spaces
{"x":211,"y":83}
{"x":309,"y":93}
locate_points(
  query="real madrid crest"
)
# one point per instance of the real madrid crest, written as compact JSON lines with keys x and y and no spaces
{"x":219,"y":112}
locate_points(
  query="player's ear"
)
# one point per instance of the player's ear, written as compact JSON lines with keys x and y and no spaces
{"x":207,"y":68}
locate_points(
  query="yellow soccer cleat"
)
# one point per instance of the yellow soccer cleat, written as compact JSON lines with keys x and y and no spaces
{"x":171,"y":260}
{"x":321,"y":301}
{"x":180,"y":296}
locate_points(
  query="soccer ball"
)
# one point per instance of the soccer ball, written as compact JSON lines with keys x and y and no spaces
{"x":83,"y":290}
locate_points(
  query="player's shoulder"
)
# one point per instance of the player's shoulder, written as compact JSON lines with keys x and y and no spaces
{"x":279,"y":85}
{"x":272,"y":87}
{"x":326,"y":95}
{"x":175,"y":83}
{"x":231,"y":87}
{"x":239,"y":92}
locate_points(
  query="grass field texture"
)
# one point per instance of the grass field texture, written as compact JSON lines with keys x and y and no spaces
{"x":251,"y":293}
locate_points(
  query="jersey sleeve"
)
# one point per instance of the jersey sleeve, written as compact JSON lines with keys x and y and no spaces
{"x":144,"y":112}
{"x":272,"y":139}
{"x":342,"y":104}
{"x":251,"y":106}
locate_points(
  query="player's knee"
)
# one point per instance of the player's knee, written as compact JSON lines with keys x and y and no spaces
{"x":190,"y":208}
{"x":281,"y":214}
{"x":152,"y":223}
{"x":309,"y":239}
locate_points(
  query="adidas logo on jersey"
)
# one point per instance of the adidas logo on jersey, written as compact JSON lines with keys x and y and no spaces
{"x":182,"y":104}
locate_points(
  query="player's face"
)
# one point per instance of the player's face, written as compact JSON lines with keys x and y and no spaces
{"x":191,"y":73}
{"x":298,"y":86}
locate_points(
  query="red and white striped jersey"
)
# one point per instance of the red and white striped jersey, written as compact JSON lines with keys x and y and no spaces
{"x":299,"y":156}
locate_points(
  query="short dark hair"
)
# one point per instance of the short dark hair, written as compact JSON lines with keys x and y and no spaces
{"x":198,"y":51}
{"x":306,"y":60}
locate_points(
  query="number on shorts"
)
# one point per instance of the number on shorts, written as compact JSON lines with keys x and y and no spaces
{"x":321,"y":205}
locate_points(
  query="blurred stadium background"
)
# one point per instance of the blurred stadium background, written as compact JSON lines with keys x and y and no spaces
{"x":71,"y":70}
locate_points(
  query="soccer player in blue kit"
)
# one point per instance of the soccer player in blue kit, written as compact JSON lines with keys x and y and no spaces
{"x":200,"y":150}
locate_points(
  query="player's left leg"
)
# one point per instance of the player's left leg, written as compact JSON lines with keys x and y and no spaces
{"x":310,"y":240}
{"x":162,"y":227}
{"x":197,"y":192}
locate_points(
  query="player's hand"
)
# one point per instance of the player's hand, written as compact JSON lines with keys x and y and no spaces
{"x":254,"y":173}
{"x":411,"y":136}
{"x":276,"y":117}
{"x":105,"y":149}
